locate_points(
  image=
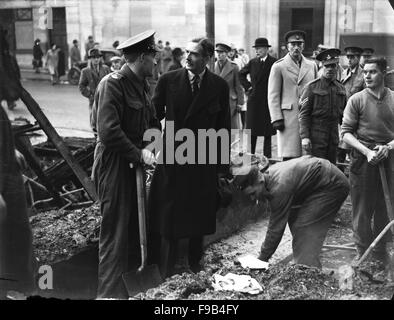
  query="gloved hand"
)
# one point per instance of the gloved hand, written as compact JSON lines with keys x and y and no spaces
{"x":279,"y":125}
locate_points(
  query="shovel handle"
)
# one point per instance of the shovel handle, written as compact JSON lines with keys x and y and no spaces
{"x":373,"y":244}
{"x":140,"y":182}
{"x":386,"y":192}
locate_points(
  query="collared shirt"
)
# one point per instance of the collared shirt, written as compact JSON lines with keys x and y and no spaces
{"x":298,"y":63}
{"x":263,"y":59}
{"x":192,"y":75}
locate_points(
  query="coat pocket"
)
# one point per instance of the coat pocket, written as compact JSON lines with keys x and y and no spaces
{"x":287,"y":106}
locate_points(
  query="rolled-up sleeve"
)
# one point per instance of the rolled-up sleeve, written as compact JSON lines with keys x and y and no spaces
{"x":350,"y":117}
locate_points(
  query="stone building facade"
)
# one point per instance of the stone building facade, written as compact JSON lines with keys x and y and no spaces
{"x":236,"y":21}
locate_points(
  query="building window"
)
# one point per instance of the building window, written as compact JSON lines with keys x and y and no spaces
{"x":23,"y":14}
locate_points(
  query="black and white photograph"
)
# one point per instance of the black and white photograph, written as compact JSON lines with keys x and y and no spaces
{"x":192,"y":156}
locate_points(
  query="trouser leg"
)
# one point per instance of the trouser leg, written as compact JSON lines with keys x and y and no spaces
{"x":309,"y":229}
{"x":168,"y":255}
{"x":253,"y":144}
{"x":267,"y":146}
{"x":195,"y":252}
{"x":364,"y":185}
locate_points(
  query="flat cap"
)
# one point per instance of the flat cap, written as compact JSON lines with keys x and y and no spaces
{"x":329,"y":56}
{"x":295,"y":35}
{"x":368,"y":52}
{"x":222,"y":47}
{"x":353,"y":51}
{"x":142,"y":42}
{"x":115,"y":58}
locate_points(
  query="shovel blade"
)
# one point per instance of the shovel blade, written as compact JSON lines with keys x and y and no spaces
{"x":345,"y":277}
{"x":137,"y":281}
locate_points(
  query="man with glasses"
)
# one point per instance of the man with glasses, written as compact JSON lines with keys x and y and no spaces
{"x":123,"y":112}
{"x":321,"y":108}
{"x":287,"y":79}
{"x":91,"y":76}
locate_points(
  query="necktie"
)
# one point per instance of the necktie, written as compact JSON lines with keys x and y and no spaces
{"x":196,"y":81}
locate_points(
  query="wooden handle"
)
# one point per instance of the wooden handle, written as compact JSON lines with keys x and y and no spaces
{"x":386,"y":192}
{"x":141,"y":214}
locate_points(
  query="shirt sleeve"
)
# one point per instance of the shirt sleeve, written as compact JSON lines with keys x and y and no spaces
{"x":306,"y":108}
{"x":350,"y":117}
{"x":109,"y":115}
{"x":280,"y":209}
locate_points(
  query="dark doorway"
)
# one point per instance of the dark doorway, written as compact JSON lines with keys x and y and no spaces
{"x":306,"y":15}
{"x":7,"y":19}
{"x":58,"y":35}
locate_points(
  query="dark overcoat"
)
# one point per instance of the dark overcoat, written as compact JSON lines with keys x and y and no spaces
{"x":183,"y":198}
{"x":257,"y":115}
{"x":17,"y":263}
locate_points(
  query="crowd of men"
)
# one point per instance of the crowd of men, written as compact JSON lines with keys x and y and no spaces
{"x":301,"y":101}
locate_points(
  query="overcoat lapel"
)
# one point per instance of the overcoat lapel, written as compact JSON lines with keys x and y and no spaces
{"x":303,"y":71}
{"x":226,"y":69}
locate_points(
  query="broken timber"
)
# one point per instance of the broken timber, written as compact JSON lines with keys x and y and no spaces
{"x":50,"y":131}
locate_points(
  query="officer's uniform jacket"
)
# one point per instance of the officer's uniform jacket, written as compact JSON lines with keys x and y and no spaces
{"x":321,"y":108}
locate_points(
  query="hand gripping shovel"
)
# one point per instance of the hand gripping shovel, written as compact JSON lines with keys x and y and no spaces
{"x":346,"y":273}
{"x":145,"y":277}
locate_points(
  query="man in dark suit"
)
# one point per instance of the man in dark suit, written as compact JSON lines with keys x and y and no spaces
{"x":183,"y":198}
{"x":258,"y":118}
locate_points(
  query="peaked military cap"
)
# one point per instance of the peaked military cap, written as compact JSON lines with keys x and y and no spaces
{"x":142,"y":42}
{"x":353,"y":51}
{"x":220,"y":46}
{"x":368,"y":52}
{"x":295,"y":35}
{"x":329,"y":56}
{"x":94,"y":52}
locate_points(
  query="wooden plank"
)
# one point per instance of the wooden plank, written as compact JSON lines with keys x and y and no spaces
{"x":22,"y":143}
{"x":50,"y":131}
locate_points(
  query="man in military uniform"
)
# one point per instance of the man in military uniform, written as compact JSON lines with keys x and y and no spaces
{"x":353,"y":80}
{"x":321,"y":108}
{"x":366,"y":54}
{"x":124,"y":112}
{"x":229,"y":71}
{"x":288,"y":78}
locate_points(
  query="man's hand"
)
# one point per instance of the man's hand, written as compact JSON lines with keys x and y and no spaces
{"x":372,"y":157}
{"x":279,"y":125}
{"x":382,"y":152}
{"x":148,"y":157}
{"x":306,"y":145}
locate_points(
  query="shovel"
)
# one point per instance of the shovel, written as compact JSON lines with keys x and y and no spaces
{"x":145,"y":277}
{"x":346,"y":273}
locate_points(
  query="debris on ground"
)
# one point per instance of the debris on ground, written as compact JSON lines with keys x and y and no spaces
{"x":58,"y":235}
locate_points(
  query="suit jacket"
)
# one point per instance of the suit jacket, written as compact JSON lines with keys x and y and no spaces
{"x":257,"y":116}
{"x":89,"y":81}
{"x":285,"y":85}
{"x":353,"y":82}
{"x":230,"y":73}
{"x":183,"y":198}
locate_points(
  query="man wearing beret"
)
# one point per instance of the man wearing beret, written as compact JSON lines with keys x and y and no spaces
{"x":315,"y":185}
{"x":321,"y":107}
{"x":183,"y":196}
{"x":258,"y":118}
{"x":229,"y":71}
{"x":122,"y":113}
{"x":91,"y":76}
{"x":288,"y":78}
